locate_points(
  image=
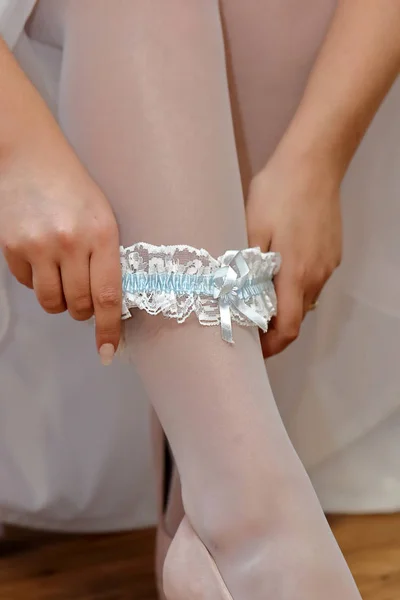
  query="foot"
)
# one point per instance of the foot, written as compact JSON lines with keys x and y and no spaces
{"x":297,"y":559}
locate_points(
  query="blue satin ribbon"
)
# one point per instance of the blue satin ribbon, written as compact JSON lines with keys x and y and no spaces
{"x":182,"y":285}
{"x":231,"y":285}
{"x":229,"y":282}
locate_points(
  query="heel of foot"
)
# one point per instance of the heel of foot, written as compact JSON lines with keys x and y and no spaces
{"x":190,"y":571}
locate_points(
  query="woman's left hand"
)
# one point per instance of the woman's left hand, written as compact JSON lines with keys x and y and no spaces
{"x":294,"y":208}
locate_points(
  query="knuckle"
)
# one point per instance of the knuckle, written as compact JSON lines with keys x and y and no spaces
{"x":11,"y":247}
{"x":82,"y":316}
{"x":319,"y":277}
{"x":291,"y":336}
{"x":277,"y":346}
{"x":291,"y":332}
{"x":32,"y":243}
{"x":66,"y":238}
{"x":106,"y":335}
{"x":24,"y":280}
{"x":108,"y":298}
{"x":326,"y":273}
{"x":51,"y":303}
{"x":26,"y":242}
{"x":82,"y":306}
{"x":105,"y":232}
{"x":300,"y":273}
{"x":338,"y":261}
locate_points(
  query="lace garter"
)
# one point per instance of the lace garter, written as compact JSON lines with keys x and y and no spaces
{"x":180,"y":280}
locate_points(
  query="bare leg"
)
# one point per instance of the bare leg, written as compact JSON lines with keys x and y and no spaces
{"x":144,"y":100}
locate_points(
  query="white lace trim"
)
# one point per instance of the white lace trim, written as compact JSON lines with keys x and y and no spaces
{"x":149,"y":260}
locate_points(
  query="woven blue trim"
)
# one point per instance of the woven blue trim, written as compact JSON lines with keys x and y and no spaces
{"x":183,"y":284}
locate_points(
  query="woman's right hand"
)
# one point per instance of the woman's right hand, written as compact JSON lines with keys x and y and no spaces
{"x":59,"y":235}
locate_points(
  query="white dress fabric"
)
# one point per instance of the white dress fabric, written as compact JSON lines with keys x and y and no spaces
{"x":341,"y":402}
{"x":74,"y":444}
{"x":74,"y":437}
{"x":13,"y":15}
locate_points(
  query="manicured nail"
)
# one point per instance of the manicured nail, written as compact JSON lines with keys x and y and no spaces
{"x":106,"y":352}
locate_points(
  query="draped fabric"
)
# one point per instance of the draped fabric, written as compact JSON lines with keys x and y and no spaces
{"x":74,"y":444}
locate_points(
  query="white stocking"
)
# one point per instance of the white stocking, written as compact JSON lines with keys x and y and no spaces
{"x":144,"y":100}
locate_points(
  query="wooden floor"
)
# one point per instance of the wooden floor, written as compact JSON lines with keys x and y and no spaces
{"x":120,"y":567}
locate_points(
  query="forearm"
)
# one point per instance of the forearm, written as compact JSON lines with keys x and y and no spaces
{"x":25,"y":120}
{"x":355,"y":69}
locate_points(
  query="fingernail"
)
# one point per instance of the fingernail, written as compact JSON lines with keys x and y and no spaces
{"x":106,"y":352}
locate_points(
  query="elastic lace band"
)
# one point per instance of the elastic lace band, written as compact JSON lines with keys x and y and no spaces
{"x":177,"y":281}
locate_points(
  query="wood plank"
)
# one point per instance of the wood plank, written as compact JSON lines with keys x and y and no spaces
{"x":120,"y":567}
{"x":371,"y":545}
{"x":77,"y":567}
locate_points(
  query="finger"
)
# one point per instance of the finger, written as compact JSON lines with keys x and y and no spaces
{"x":106,"y":288}
{"x":311,"y":297}
{"x":259,"y":238}
{"x":313,"y":289}
{"x":47,"y":285}
{"x":20,"y":268}
{"x":261,"y":241}
{"x":286,"y":325}
{"x":75,"y":275}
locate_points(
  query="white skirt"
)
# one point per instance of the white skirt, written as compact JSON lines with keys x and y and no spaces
{"x":74,"y":445}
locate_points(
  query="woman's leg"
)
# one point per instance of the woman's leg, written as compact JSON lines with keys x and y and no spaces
{"x":271,"y":47}
{"x":144,"y":100}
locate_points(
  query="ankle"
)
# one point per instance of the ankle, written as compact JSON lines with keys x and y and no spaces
{"x":255,"y":508}
{"x":282,"y":563}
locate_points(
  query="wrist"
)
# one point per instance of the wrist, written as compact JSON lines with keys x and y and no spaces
{"x":20,"y":141}
{"x":323,"y":146}
{"x":306,"y":171}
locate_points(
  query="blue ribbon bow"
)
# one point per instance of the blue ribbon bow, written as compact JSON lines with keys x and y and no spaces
{"x":229,"y":280}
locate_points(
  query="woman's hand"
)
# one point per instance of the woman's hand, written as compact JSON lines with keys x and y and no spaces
{"x":57,"y":230}
{"x":294,"y":208}
{"x":59,"y":235}
{"x":294,"y":202}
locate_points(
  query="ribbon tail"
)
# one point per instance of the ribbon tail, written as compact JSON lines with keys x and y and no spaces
{"x":226,"y":322}
{"x":252,"y":315}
